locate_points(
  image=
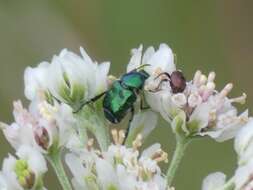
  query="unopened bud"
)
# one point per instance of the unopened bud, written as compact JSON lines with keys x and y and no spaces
{"x":26,"y":178}
{"x":42,"y":137}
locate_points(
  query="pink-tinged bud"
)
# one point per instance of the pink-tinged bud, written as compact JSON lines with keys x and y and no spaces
{"x":41,"y":137}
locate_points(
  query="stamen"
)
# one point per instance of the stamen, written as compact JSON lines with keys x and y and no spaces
{"x":179,"y":99}
{"x":137,"y":142}
{"x":160,"y":156}
{"x":194,"y":100}
{"x":240,"y":99}
{"x":99,"y":153}
{"x":212,"y":116}
{"x":46,"y":110}
{"x":163,"y":158}
{"x":202,"y":79}
{"x":90,"y":144}
{"x":111,"y":79}
{"x":197,"y":77}
{"x":211,"y":77}
{"x":158,"y":71}
{"x":210,"y":87}
{"x":202,"y":89}
{"x":121,"y":136}
{"x":115,"y":136}
{"x":226,"y":90}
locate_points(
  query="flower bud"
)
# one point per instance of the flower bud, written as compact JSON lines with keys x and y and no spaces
{"x":42,"y":137}
{"x":26,"y":178}
{"x":69,"y":78}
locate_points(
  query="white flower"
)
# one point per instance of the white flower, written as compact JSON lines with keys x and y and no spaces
{"x":158,"y":61}
{"x":143,"y":123}
{"x":214,"y":181}
{"x":25,"y":171}
{"x":243,"y":176}
{"x":119,"y":167}
{"x":203,"y":109}
{"x":21,"y":131}
{"x":3,"y":182}
{"x":244,"y":143}
{"x":35,"y":80}
{"x":244,"y":148}
{"x":154,"y":63}
{"x":69,"y":78}
{"x":40,"y":127}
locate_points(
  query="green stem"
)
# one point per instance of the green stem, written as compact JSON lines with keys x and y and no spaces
{"x":90,"y":120}
{"x":181,"y":145}
{"x":39,"y":184}
{"x":229,"y":185}
{"x":101,"y":135}
{"x":55,"y":160}
{"x":83,"y":135}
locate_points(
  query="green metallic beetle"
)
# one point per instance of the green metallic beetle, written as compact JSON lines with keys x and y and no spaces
{"x":122,"y":95}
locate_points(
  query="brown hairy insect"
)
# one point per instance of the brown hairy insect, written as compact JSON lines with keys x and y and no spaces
{"x":176,"y":79}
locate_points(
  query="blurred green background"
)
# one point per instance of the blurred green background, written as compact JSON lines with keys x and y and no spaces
{"x":205,"y":34}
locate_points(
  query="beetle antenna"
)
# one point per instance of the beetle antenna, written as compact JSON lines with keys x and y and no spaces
{"x":142,"y":65}
{"x":139,"y":67}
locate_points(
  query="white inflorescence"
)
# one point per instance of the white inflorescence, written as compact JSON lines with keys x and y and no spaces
{"x":64,"y":116}
{"x":206,"y":111}
{"x":120,"y":167}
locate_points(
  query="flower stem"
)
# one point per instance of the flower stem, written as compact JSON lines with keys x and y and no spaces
{"x":181,"y":145}
{"x":229,"y":185}
{"x":55,"y":160}
{"x":82,"y":135}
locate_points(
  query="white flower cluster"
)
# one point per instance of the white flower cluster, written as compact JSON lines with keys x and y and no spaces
{"x":242,"y":178}
{"x":65,"y":119}
{"x":202,"y":109}
{"x":119,"y":167}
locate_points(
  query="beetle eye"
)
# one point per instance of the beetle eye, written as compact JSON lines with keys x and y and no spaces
{"x":177,"y":82}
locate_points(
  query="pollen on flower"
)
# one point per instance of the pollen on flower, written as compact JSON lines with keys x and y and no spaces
{"x":160,"y":156}
{"x":90,"y":143}
{"x":204,"y":107}
{"x":137,"y":142}
{"x":158,"y":71}
{"x":123,"y":163}
{"x":47,"y":111}
{"x":240,"y":99}
{"x":118,"y":136}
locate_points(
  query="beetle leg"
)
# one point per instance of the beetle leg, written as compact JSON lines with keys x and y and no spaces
{"x":142,"y":106}
{"x":157,"y":89}
{"x":163,"y":73}
{"x":87,"y":102}
{"x":129,"y":124}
